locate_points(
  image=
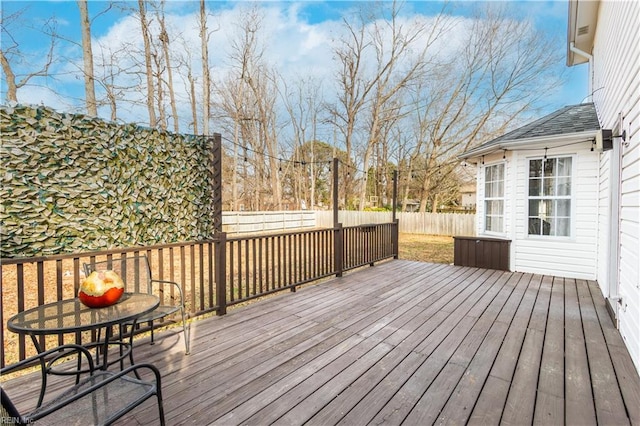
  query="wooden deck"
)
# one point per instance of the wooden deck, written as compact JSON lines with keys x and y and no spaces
{"x":401,"y":343}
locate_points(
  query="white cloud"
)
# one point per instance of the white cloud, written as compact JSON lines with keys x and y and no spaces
{"x":293,"y":45}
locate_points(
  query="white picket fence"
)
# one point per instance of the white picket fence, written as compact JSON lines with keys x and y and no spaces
{"x":460,"y":224}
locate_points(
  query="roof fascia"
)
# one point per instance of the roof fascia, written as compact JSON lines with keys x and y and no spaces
{"x":581,"y":27}
{"x":531,"y":143}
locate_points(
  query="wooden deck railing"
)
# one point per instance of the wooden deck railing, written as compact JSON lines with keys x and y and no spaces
{"x":211,"y":277}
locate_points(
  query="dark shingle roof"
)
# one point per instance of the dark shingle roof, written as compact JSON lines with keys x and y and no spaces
{"x":570,"y":119}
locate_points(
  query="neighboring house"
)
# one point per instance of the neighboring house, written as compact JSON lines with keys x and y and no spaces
{"x":565,"y":189}
{"x":468,"y":196}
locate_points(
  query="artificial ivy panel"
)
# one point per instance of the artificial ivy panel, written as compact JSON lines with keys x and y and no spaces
{"x":73,"y":183}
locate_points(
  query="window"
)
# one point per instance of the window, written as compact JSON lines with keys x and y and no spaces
{"x":494,"y":198}
{"x":550,"y":197}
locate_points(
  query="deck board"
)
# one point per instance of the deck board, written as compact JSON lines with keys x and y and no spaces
{"x":398,"y":343}
{"x":549,"y":407}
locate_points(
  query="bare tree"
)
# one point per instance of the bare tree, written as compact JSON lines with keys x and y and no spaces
{"x":206,"y":78}
{"x":146,"y":39}
{"x":401,"y":60}
{"x":352,"y":92}
{"x":492,"y":81}
{"x":164,"y":40}
{"x":249,"y":98}
{"x":110,"y":74}
{"x":87,"y":55}
{"x":11,"y":55}
{"x":303,"y":102}
{"x":380,"y":57}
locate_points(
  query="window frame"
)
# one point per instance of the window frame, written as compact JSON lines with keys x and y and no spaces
{"x":554,"y":198}
{"x":502,"y":198}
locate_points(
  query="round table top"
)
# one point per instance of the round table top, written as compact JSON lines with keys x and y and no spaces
{"x":70,"y":315}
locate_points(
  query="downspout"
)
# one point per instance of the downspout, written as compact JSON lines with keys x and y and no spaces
{"x":574,"y":49}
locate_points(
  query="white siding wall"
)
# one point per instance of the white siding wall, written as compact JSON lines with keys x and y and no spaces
{"x":604,"y":225}
{"x":616,"y":76}
{"x":573,"y":257}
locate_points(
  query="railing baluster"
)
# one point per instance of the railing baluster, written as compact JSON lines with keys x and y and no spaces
{"x":231,"y":272}
{"x":201,"y":276}
{"x":247,"y":269}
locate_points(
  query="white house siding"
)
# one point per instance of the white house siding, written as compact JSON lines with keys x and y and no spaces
{"x":604,"y":217}
{"x":616,"y":81}
{"x":573,"y":257}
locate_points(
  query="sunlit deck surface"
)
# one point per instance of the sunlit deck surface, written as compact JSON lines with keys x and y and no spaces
{"x":401,"y":343}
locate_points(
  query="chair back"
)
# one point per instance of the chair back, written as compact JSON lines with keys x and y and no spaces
{"x":134,"y":271}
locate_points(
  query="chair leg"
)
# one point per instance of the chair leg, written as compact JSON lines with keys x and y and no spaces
{"x":160,"y":405}
{"x":133,"y":329}
{"x":122,"y":329}
{"x":184,"y":330}
{"x":152,"y":341}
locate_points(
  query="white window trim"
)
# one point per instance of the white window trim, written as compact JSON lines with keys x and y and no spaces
{"x":485,"y":231}
{"x":572,"y":218}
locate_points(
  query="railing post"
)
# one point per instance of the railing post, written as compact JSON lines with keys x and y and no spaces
{"x":338,"y":249}
{"x":216,"y":184}
{"x":336,"y":163}
{"x":394,"y":237}
{"x":220,"y":247}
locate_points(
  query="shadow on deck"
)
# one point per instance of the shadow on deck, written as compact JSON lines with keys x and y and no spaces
{"x":401,"y":342}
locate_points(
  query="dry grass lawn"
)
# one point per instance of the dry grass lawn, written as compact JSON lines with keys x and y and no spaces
{"x":426,"y":248}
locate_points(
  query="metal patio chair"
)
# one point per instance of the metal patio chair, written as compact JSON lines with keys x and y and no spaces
{"x":100,"y":398}
{"x":135,"y":271}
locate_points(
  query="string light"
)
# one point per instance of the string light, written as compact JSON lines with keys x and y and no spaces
{"x":351,"y":167}
{"x":266,"y":155}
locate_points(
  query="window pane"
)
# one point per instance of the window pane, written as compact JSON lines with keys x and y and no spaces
{"x":549,"y":186}
{"x":535,"y":168}
{"x":493,"y":223}
{"x":546,"y":227}
{"x":549,"y":166}
{"x":535,"y":186}
{"x":563,"y":226}
{"x":534,"y":226}
{"x":499,"y":172}
{"x":498,"y":224}
{"x":544,"y":209}
{"x":563,"y":208}
{"x":499,"y":189}
{"x":564,"y":186}
{"x":487,"y":174}
{"x":494,"y":207}
{"x":534,"y":206}
{"x":488,"y":190}
{"x":564,"y":166}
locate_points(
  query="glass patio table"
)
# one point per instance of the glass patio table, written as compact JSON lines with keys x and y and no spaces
{"x":70,"y":316}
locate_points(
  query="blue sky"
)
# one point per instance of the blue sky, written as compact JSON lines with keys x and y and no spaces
{"x":550,"y":16}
